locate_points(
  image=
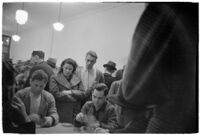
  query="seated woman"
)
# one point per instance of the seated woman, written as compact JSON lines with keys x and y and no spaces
{"x":68,"y":91}
{"x":39,"y":104}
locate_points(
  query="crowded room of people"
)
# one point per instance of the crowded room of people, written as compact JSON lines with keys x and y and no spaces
{"x":99,"y":67}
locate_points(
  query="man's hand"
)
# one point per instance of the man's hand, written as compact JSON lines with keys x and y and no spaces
{"x":19,"y":106}
{"x":35,"y":117}
{"x":101,"y":130}
{"x":92,"y":122}
{"x":46,"y":122}
{"x":67,"y":92}
{"x":80,"y":117}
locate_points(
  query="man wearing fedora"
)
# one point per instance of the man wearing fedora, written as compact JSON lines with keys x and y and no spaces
{"x":110,"y":68}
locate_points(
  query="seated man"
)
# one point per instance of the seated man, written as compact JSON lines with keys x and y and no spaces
{"x":40,"y":104}
{"x":98,"y":112}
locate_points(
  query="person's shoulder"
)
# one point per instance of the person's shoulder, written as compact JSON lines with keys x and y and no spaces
{"x":88,"y":103}
{"x":98,"y":71}
{"x":47,"y":94}
{"x":110,"y":106}
{"x":54,"y":76}
{"x":25,"y":90}
{"x":117,"y":82}
{"x":43,"y":65}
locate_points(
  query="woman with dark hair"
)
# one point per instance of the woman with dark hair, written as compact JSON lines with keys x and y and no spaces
{"x":67,"y":89}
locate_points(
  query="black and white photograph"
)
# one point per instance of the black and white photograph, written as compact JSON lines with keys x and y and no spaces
{"x":104,"y":67}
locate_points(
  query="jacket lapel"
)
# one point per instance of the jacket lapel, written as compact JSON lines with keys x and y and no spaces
{"x":43,"y":106}
{"x":63,"y":81}
{"x":75,"y":80}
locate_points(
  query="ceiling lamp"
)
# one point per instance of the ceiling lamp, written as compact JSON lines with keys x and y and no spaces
{"x":58,"y":26}
{"x":21,"y":16}
{"x":16,"y":37}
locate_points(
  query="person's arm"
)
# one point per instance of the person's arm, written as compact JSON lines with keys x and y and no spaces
{"x":112,"y":89}
{"x":52,"y":117}
{"x":112,"y":119}
{"x":18,"y":107}
{"x":54,"y":88}
{"x":58,"y":94}
{"x":79,"y":119}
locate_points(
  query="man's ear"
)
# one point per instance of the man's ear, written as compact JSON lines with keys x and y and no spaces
{"x":95,"y":61}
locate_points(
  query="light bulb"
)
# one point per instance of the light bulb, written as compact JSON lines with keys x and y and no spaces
{"x":16,"y":38}
{"x":21,"y":16}
{"x":58,"y":26}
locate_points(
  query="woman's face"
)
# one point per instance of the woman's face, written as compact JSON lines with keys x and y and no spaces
{"x":67,"y":69}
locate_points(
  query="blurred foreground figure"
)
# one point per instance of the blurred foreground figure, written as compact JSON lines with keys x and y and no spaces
{"x":15,"y":119}
{"x":161,"y":68}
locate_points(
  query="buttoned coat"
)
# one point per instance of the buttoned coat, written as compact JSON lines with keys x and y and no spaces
{"x":68,"y":105}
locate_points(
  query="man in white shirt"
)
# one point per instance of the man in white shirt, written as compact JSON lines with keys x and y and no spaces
{"x":89,"y":75}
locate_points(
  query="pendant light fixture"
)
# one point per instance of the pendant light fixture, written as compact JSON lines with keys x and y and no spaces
{"x":21,"y":15}
{"x":58,"y":26}
{"x":16,"y":37}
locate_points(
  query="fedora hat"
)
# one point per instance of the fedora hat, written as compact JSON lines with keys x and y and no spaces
{"x":110,"y":64}
{"x":52,"y":62}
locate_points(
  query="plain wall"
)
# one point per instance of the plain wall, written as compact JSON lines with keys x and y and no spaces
{"x":108,"y":32}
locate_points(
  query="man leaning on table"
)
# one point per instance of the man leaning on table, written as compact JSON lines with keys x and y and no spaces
{"x":98,"y":112}
{"x":39,"y":104}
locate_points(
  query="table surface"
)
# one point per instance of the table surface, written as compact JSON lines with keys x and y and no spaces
{"x":59,"y":128}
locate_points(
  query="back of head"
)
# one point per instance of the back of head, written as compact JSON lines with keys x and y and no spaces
{"x":40,"y":54}
{"x":52,"y":62}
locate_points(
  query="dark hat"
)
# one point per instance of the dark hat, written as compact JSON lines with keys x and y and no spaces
{"x":110,"y":64}
{"x":52,"y":62}
{"x":119,"y":100}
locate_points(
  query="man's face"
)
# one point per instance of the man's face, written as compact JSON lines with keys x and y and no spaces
{"x":37,"y":86}
{"x":98,"y":98}
{"x":90,"y":61}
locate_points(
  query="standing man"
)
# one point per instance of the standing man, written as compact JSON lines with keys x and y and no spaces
{"x":89,"y":75}
{"x":109,"y":70}
{"x":37,"y":58}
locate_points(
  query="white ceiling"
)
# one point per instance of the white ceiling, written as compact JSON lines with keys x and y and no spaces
{"x":47,"y":13}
